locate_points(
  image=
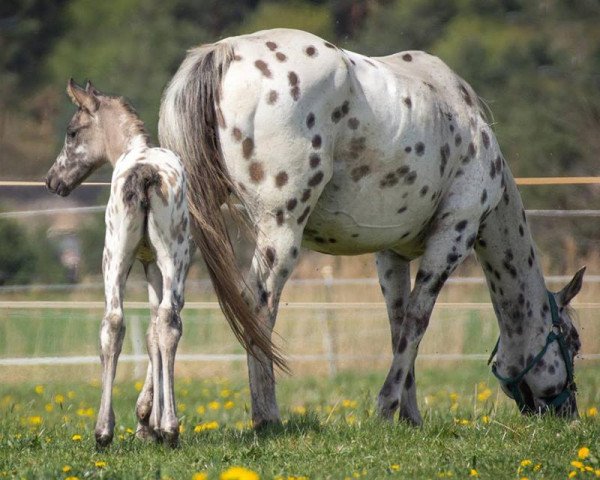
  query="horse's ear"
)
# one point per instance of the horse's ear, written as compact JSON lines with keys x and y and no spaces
{"x":81,"y":97}
{"x":89,"y":88}
{"x":567,"y":294}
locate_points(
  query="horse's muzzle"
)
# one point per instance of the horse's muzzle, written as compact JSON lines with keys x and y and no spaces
{"x":55,"y":185}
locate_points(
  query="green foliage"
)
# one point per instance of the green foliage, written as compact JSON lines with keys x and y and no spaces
{"x":27,"y":257}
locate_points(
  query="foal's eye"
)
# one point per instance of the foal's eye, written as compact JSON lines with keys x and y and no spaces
{"x":71,"y":133}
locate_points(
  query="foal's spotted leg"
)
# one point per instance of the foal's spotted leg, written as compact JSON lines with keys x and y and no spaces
{"x":446,"y":248}
{"x":394,"y":278}
{"x":276,"y":255}
{"x":122,"y":237}
{"x":144,"y":402}
{"x":173,"y":259}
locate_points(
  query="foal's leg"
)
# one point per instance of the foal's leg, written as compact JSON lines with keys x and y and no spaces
{"x":446,"y":248}
{"x":394,"y":278}
{"x":145,"y":399}
{"x":275,"y":256}
{"x":172,"y":258}
{"x":122,"y":238}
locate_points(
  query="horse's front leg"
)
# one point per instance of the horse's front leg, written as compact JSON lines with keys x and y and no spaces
{"x":145,"y":398}
{"x":447,"y":247}
{"x":275,"y":256}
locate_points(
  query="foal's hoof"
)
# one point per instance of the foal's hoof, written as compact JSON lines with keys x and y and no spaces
{"x":145,"y":433}
{"x":103,"y":439}
{"x":170,"y":438}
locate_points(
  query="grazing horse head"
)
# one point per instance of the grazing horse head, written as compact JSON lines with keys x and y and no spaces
{"x":99,"y":132}
{"x":546,"y":381}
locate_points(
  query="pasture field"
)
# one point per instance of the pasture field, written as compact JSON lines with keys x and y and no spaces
{"x":330,"y":431}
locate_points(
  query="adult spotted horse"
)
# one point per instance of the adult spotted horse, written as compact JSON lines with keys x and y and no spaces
{"x":346,"y":154}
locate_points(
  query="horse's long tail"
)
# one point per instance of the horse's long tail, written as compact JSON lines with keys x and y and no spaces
{"x":189,"y":117}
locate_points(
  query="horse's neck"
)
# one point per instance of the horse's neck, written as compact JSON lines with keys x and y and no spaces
{"x":517,"y":288}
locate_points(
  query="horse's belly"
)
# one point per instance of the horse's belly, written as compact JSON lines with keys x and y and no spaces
{"x":352,"y":221}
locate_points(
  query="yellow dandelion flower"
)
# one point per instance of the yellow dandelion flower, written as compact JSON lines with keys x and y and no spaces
{"x":238,"y":473}
{"x":85,"y":412}
{"x":76,"y":438}
{"x":181,"y":407}
{"x":129,"y":430}
{"x":454,"y":397}
{"x":200,"y":410}
{"x":67,"y":469}
{"x":588,"y":468}
{"x":349,"y":403}
{"x":537,"y":467}
{"x":72,"y":478}
{"x":300,"y":410}
{"x":214,"y":405}
{"x":39,"y":389}
{"x":577,"y":464}
{"x":35,"y":420}
{"x":592,"y":412}
{"x":395,"y":467}
{"x":473,"y":473}
{"x":225,"y":393}
{"x":58,"y":398}
{"x":228,"y":405}
{"x":485,"y":419}
{"x":138,"y":386}
{"x":71,"y":394}
{"x":526,"y":462}
{"x":100,"y":464}
{"x":524,"y":478}
{"x":583,"y":453}
{"x":201,"y":427}
{"x":572,"y":473}
{"x":484,"y":395}
{"x":48,"y":407}
{"x":181,"y":428}
{"x":200,"y":476}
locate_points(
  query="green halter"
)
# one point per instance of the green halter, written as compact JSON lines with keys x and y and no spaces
{"x":512,"y":383}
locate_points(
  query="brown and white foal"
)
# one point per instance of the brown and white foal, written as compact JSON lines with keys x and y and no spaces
{"x":147,"y":219}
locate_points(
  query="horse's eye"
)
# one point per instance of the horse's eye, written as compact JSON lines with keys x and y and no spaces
{"x":71,"y":133}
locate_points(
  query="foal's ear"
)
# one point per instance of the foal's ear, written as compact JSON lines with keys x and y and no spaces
{"x":89,"y":88}
{"x":81,"y":97}
{"x":567,"y":294}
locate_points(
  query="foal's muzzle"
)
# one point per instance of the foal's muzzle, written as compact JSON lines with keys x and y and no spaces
{"x":56,"y":185}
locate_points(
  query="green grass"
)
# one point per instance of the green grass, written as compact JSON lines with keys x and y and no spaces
{"x":329,"y":431}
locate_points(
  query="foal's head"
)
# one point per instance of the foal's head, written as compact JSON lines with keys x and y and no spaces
{"x":100,"y":131}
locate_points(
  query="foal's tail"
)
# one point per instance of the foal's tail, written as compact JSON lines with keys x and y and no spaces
{"x":137,"y":182}
{"x":188,"y":125}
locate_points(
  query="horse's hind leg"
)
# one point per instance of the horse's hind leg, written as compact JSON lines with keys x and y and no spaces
{"x":275,"y":256}
{"x":172,"y":258}
{"x":394,"y":278}
{"x":447,"y":247}
{"x":123,"y":234}
{"x":145,"y":399}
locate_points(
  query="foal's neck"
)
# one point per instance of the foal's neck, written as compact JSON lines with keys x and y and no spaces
{"x":514,"y":276}
{"x":124,"y":131}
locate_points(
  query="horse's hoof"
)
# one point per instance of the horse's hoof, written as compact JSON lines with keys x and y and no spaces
{"x":266,"y":424}
{"x":103,"y":439}
{"x":145,"y":433}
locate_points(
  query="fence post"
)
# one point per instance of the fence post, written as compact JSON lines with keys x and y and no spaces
{"x":328,"y":323}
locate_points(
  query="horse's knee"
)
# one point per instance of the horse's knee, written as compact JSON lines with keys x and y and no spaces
{"x":113,"y":328}
{"x":169,"y":324}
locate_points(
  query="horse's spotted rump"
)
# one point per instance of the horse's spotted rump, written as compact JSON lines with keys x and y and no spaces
{"x":281,"y":57}
{"x":330,"y":45}
{"x":304,"y":215}
{"x":270,"y":256}
{"x":359,"y":172}
{"x":264,"y":68}
{"x":315,"y":179}
{"x":316,"y":141}
{"x":408,"y":102}
{"x":353,"y":123}
{"x":407,"y":57}
{"x":340,"y":112}
{"x":311,"y":51}
{"x":305,"y":195}
{"x":281,"y":179}
{"x":257,"y":173}
{"x":294,"y":81}
{"x":465,"y":94}
{"x":279,"y":217}
{"x":314,"y":160}
{"x":272,"y":97}
{"x":236,"y":134}
{"x":310,"y":120}
{"x":486,"y":139}
{"x":457,"y":140}
{"x":420,"y":148}
{"x":247,"y":148}
{"x":271,"y":46}
{"x":291,"y":204}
